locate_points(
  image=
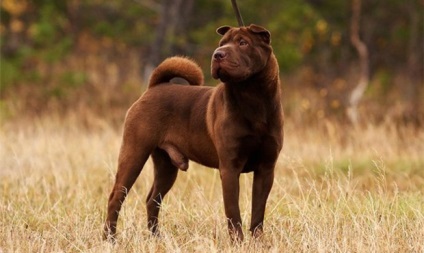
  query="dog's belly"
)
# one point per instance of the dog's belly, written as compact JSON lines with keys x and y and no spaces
{"x":194,"y":144}
{"x":202,"y":153}
{"x":192,"y":140}
{"x":181,"y":112}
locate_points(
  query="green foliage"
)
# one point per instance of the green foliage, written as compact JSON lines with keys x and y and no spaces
{"x":73,"y":79}
{"x":311,"y":33}
{"x":45,"y":31}
{"x":128,"y":22}
{"x":11,"y":69}
{"x":9,"y":74}
{"x":68,"y":83}
{"x":57,"y":51}
{"x":302,"y":30}
{"x":43,"y":39}
{"x":293,"y":28}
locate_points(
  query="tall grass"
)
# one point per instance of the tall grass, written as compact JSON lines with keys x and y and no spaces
{"x":336,"y":190}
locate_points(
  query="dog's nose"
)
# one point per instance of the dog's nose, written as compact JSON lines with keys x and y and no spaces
{"x":219,"y":55}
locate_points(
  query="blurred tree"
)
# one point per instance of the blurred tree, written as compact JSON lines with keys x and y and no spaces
{"x":170,"y":32}
{"x":415,"y":61}
{"x":361,"y":48}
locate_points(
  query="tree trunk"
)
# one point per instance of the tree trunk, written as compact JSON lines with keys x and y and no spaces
{"x":414,"y":63}
{"x":173,"y":22}
{"x":358,"y":92}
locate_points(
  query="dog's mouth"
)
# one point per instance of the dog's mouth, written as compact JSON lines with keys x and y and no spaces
{"x":216,"y":73}
{"x":216,"y":69}
{"x":221,"y":69}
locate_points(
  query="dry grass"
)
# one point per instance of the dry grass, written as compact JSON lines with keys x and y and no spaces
{"x":336,"y":190}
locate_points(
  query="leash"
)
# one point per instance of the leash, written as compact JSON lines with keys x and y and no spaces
{"x":237,"y":11}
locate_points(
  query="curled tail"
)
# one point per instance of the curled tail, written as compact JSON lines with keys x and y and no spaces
{"x":177,"y":67}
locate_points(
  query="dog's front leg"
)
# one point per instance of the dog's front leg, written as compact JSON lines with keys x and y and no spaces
{"x":262,"y":184}
{"x":230,"y":189}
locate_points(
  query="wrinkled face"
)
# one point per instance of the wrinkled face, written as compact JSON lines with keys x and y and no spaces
{"x":242,"y":52}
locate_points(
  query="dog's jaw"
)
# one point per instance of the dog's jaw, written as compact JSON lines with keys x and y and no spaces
{"x":216,"y":70}
{"x":228,"y":70}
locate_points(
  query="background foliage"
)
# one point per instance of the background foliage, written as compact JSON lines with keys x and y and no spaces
{"x":93,"y":54}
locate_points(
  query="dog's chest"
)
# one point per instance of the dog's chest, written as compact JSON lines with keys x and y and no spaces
{"x":258,"y":128}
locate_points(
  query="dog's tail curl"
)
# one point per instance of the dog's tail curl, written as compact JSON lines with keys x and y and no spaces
{"x":177,"y":66}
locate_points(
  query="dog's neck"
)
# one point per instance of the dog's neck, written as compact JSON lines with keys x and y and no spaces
{"x":265,"y":83}
{"x":255,"y":97}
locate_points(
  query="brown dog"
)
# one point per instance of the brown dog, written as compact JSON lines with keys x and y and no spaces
{"x":236,"y":127}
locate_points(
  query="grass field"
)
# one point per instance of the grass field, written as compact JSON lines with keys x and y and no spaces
{"x":336,"y":190}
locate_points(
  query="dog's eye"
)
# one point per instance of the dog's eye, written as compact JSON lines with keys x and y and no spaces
{"x":243,"y":43}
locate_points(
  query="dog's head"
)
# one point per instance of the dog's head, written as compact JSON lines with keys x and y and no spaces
{"x":242,"y":52}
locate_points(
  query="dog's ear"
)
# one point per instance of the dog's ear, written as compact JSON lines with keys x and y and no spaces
{"x":265,"y":34}
{"x":223,"y":30}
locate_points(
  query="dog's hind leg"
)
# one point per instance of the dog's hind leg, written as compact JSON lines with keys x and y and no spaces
{"x":165,"y":174}
{"x":132,"y":158}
